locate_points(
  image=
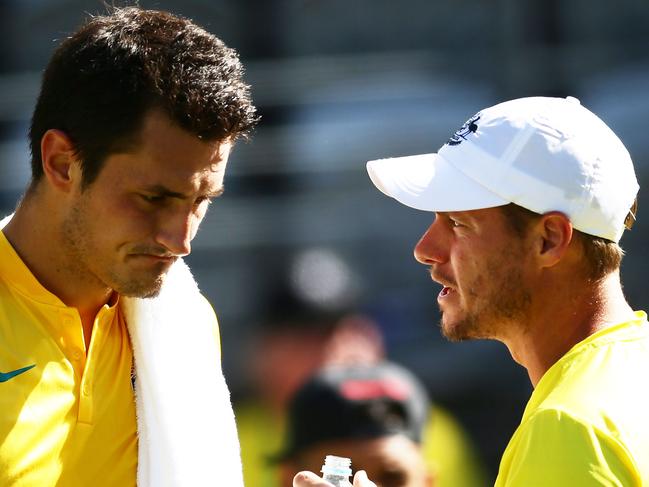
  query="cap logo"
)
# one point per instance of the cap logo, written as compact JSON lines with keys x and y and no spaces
{"x":364,"y":390}
{"x":470,"y":126}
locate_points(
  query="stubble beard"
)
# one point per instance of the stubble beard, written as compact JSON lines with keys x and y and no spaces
{"x":506,"y":305}
{"x":86,"y":264}
{"x":135,"y":289}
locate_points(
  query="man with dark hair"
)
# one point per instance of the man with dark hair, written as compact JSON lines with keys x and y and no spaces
{"x":130,"y":137}
{"x":531,"y":198}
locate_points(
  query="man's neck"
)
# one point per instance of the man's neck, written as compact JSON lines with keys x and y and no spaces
{"x":565,"y":317}
{"x":34,"y":235}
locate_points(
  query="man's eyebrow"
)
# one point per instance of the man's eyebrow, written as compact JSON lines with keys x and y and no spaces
{"x":160,"y":190}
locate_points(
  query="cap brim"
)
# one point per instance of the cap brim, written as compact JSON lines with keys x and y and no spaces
{"x":430,"y":183}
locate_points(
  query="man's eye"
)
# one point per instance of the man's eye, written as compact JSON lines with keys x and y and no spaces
{"x":455,"y":223}
{"x":152,"y":198}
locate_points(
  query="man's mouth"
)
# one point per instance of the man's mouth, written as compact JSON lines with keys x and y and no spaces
{"x":446,"y":293}
{"x":164,"y":259}
{"x":447,"y":284}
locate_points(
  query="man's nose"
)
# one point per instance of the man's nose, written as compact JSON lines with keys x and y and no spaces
{"x":430,"y":248}
{"x":177,"y":233}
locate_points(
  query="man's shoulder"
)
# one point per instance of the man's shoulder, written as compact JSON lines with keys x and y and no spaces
{"x":594,"y":409}
{"x":554,"y":446}
{"x":602,"y":387}
{"x":603,"y":370}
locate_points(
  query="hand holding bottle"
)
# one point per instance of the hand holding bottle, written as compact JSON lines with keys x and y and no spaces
{"x":309,"y":479}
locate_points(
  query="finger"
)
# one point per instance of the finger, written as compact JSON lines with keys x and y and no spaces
{"x":361,"y":480}
{"x":309,"y":479}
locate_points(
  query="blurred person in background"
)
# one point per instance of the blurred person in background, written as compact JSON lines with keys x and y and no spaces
{"x":531,"y":198}
{"x":130,"y":138}
{"x":376,"y":415}
{"x":313,"y":319}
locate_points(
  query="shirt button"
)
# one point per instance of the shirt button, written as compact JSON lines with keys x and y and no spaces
{"x":76,"y":354}
{"x":86,"y":389}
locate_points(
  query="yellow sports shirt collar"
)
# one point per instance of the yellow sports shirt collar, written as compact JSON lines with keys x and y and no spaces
{"x":18,"y":275}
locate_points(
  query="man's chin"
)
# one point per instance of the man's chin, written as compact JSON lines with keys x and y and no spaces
{"x":452,"y":336}
{"x":458,"y":330}
{"x":151,"y":293}
{"x":141,"y":289}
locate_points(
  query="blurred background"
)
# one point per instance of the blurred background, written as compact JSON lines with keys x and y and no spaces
{"x":301,"y":239}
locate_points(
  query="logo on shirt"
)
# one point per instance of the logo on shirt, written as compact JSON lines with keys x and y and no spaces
{"x":5,"y":376}
{"x":469,"y":127}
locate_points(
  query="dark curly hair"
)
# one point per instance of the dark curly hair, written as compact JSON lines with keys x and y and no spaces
{"x":103,"y":80}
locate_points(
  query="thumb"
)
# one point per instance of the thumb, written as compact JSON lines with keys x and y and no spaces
{"x":361,"y":480}
{"x":309,"y":479}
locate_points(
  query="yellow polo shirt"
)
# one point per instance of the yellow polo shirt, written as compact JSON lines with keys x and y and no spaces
{"x":67,"y":414}
{"x":587,"y":422}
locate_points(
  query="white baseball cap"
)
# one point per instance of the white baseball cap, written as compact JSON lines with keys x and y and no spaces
{"x":544,"y":154}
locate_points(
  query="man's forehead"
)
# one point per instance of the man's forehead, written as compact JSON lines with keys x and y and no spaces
{"x":167,"y":175}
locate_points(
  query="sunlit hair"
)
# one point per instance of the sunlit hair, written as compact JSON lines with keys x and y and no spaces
{"x":600,"y":255}
{"x":103,"y":80}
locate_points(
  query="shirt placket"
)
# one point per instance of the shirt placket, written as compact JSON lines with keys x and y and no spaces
{"x":75,"y":350}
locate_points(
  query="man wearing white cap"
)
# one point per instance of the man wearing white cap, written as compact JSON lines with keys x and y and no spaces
{"x":531,"y":197}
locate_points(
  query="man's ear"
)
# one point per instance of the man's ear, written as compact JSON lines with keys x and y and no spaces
{"x":59,"y":160}
{"x":554,"y":237}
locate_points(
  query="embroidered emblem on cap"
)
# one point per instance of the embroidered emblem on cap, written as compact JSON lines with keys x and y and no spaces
{"x":470,"y":126}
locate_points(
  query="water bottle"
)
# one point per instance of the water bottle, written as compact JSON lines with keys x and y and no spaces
{"x":337,"y":471}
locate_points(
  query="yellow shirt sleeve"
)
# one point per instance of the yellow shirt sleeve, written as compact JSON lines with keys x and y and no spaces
{"x":554,"y":448}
